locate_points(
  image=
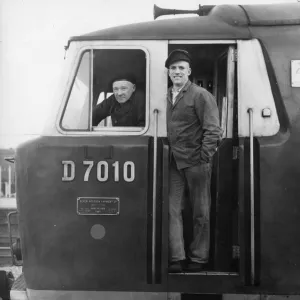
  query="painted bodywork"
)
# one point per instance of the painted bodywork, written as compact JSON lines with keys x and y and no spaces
{"x":58,"y":251}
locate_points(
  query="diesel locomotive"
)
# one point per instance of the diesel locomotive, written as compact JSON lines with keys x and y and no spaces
{"x":93,"y":200}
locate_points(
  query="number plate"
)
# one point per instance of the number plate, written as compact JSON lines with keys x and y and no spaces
{"x":98,"y":206}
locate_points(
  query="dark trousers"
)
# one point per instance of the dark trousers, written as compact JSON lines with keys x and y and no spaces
{"x":197,"y":180}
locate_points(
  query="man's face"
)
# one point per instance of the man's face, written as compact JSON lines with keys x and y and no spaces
{"x":123,"y":90}
{"x":179,"y":72}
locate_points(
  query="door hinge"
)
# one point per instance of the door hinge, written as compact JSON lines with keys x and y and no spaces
{"x":234,"y":55}
{"x":235,"y":152}
{"x":235,"y":251}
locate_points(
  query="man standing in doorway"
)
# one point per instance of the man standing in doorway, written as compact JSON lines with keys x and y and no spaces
{"x":193,"y":133}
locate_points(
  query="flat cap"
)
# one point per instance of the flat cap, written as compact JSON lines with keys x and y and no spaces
{"x":124,"y":76}
{"x":178,"y":55}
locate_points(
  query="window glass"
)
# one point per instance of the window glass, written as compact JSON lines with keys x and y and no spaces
{"x":109,"y":90}
{"x":76,"y":116}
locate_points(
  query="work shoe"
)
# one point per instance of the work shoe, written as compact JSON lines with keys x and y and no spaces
{"x":176,"y":266}
{"x":193,"y":266}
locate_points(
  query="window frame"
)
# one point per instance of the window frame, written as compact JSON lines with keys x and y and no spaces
{"x":70,"y":89}
{"x":92,"y":131}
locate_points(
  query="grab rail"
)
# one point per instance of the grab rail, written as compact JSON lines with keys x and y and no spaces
{"x":250,"y":111}
{"x":155,"y":112}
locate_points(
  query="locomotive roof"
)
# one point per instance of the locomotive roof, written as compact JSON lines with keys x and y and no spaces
{"x":222,"y":22}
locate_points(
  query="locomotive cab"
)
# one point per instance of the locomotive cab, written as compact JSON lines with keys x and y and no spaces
{"x":93,"y":199}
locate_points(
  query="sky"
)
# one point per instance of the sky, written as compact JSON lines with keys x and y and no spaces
{"x":33,"y":34}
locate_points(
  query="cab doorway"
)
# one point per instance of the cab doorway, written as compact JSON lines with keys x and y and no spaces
{"x":214,"y":68}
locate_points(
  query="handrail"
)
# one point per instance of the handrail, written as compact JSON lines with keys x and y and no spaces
{"x":155,"y":112}
{"x":250,"y":111}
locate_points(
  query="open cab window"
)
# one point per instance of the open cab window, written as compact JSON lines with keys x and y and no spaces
{"x":96,"y":102}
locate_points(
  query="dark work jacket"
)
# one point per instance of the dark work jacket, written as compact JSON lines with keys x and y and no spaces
{"x":130,"y":113}
{"x":193,"y":125}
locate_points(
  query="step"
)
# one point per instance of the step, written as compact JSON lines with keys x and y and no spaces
{"x":205,"y":273}
{"x":5,"y":251}
{"x":5,"y":260}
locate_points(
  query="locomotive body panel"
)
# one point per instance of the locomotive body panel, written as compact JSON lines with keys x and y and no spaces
{"x":85,"y":197}
{"x":279,"y":176}
{"x":97,"y":247}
